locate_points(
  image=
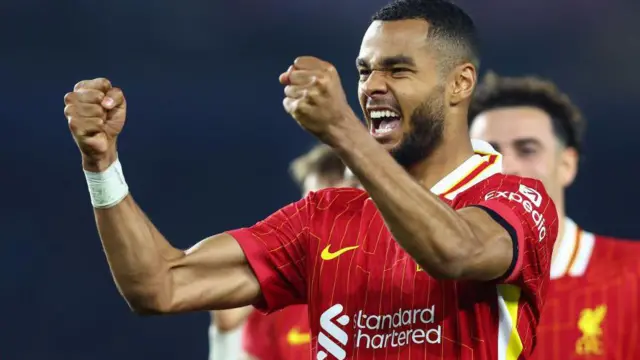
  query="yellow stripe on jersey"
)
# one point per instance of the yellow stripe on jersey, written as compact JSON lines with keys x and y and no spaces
{"x":511,"y":296}
{"x":576,"y":249}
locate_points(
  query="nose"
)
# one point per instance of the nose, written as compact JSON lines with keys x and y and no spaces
{"x":375,"y":84}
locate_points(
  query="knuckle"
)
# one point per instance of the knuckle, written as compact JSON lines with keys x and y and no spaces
{"x":95,"y":96}
{"x":69,"y":97}
{"x":90,"y":95}
{"x":322,"y":81}
{"x":79,"y":85}
{"x":321,"y":85}
{"x":103,"y":82}
{"x":90,"y":110}
{"x":94,"y":110}
{"x":69,"y":110}
{"x":74,"y":126}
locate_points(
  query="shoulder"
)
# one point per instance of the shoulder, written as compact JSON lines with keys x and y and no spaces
{"x":616,"y":249}
{"x":501,"y":182}
{"x":616,"y":242}
{"x":336,"y":199}
{"x":528,"y":192}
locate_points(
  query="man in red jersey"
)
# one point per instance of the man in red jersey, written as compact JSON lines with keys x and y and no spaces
{"x":442,"y":256}
{"x":593,"y":306}
{"x":284,"y":334}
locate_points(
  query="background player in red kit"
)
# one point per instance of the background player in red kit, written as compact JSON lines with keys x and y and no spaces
{"x":593,"y":307}
{"x":284,"y":334}
{"x":442,"y":257}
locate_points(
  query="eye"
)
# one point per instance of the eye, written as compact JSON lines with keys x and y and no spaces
{"x":400,"y":71}
{"x":364,"y":74}
{"x":527,"y":151}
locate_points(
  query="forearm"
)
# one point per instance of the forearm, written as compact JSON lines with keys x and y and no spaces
{"x":138,"y":255}
{"x":434,"y":234}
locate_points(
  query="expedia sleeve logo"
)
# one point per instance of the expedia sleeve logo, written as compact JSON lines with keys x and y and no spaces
{"x":532,"y":195}
{"x":530,"y":200}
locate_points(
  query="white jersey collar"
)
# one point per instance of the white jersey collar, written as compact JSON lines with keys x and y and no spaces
{"x":485,"y":162}
{"x":574,"y":251}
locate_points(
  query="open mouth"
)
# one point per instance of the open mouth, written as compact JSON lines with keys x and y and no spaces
{"x":384,"y":121}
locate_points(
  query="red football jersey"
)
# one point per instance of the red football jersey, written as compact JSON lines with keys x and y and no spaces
{"x":368,"y":298}
{"x":593,"y":307}
{"x":282,"y":335}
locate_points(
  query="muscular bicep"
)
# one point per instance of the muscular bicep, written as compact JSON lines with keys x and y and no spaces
{"x":494,"y":256}
{"x":213,"y":274}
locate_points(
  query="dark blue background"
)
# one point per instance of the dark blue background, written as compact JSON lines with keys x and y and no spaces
{"x":207,"y":142}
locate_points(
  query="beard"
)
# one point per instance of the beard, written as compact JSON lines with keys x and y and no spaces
{"x":427,"y":129}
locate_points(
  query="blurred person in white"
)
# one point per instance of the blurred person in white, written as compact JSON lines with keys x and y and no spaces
{"x":595,"y":279}
{"x":245,"y":333}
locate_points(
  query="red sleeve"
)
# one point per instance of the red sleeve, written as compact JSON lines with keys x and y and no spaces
{"x":276,"y":251}
{"x":524,"y":208}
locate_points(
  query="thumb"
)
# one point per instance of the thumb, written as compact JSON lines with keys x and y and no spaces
{"x":114,"y":98}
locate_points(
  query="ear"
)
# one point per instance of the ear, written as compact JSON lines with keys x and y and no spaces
{"x":462,"y":83}
{"x":568,"y":166}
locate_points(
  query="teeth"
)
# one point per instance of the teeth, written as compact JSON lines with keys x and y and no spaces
{"x":384,"y":130}
{"x":379,"y":114}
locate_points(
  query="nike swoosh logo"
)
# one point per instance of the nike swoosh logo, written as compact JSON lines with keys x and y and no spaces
{"x":295,"y":337}
{"x":328,"y":255}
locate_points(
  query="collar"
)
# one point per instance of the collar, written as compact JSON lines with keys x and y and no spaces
{"x":484,"y":163}
{"x":574,"y":251}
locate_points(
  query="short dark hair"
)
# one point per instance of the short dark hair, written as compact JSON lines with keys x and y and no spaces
{"x":497,"y":92}
{"x":321,"y":159}
{"x":451,"y":29}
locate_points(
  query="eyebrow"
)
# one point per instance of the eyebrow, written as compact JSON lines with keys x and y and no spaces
{"x":388,"y":62}
{"x":527,"y":141}
{"x":519,"y":143}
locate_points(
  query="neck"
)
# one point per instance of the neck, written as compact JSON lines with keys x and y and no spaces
{"x":452,"y":152}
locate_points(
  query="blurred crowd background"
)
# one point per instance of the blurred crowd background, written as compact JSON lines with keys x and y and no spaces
{"x":207,"y":143}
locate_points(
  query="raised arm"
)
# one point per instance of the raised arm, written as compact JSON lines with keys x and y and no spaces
{"x":482,"y":241}
{"x":155,"y":277}
{"x":464,"y":244}
{"x":152,"y":275}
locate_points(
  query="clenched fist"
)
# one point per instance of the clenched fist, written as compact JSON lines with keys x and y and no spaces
{"x":315,"y":97}
{"x":96,"y":114}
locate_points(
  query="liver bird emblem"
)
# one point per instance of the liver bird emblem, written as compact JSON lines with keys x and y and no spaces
{"x":590,"y":324}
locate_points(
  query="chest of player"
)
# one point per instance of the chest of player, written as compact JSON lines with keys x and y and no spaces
{"x":363,"y":268}
{"x":369,"y":295}
{"x":362,"y":261}
{"x":590,"y":317}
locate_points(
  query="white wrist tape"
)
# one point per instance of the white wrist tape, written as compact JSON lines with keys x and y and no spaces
{"x":107,"y":188}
